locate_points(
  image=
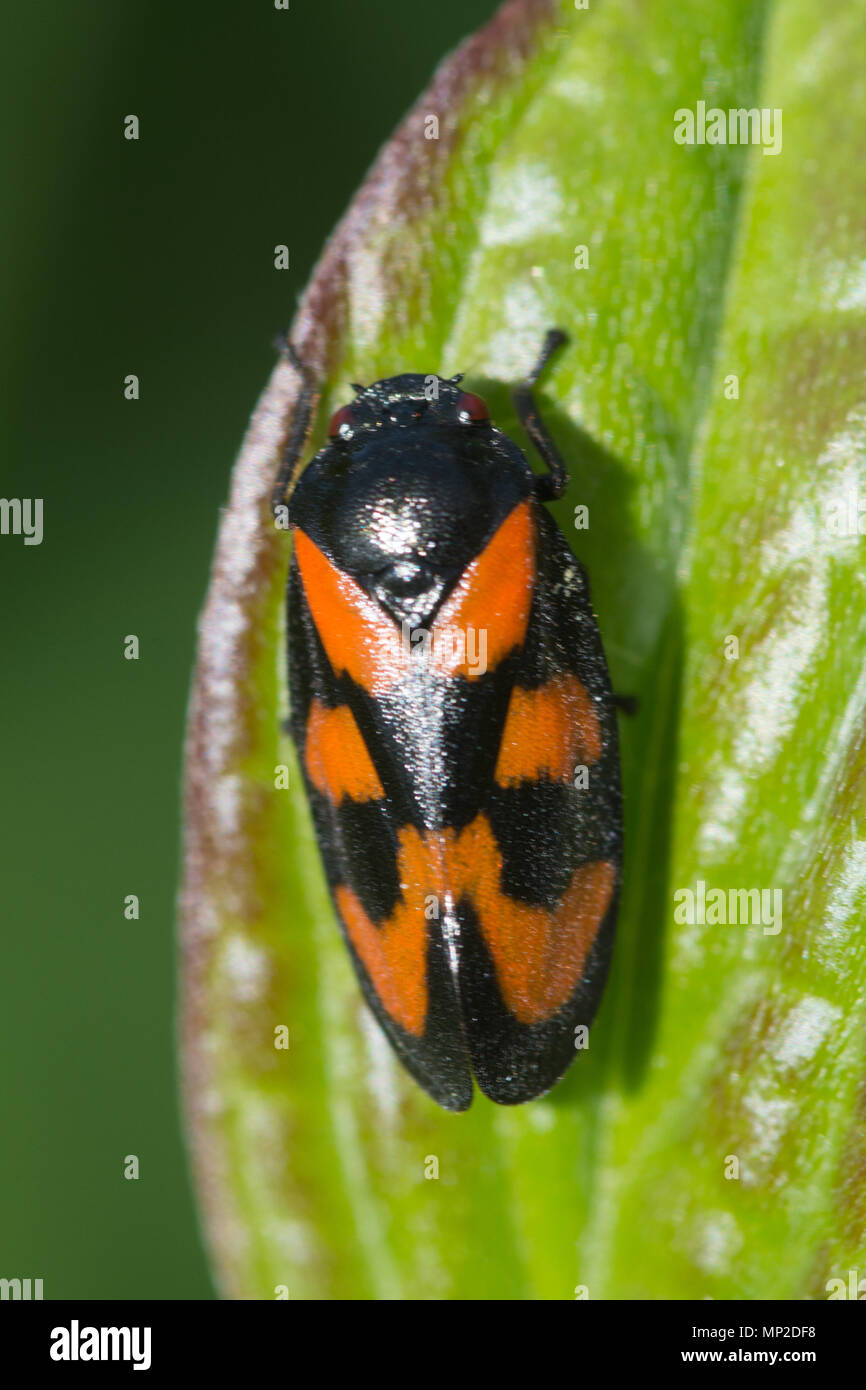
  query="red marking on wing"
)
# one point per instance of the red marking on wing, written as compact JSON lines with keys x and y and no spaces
{"x":539,"y":955}
{"x":395,"y":952}
{"x":336,"y":756}
{"x":548,"y":731}
{"x":357,"y":636}
{"x":493,"y":597}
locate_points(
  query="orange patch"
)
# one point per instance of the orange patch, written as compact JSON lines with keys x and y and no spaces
{"x":493,"y":597}
{"x":336,"y":756}
{"x":550,"y":730}
{"x":483,"y":619}
{"x":358,"y":637}
{"x":539,"y":955}
{"x":395,"y":953}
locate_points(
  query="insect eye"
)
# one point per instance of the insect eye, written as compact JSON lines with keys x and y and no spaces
{"x":471,"y":409}
{"x":342,"y":423}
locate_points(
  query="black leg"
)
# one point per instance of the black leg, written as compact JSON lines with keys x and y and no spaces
{"x":627,"y":704}
{"x":306,"y":404}
{"x":555,"y":481}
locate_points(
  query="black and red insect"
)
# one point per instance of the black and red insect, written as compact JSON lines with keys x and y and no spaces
{"x":453,"y":715}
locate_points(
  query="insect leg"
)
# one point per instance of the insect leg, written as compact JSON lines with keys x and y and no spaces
{"x":306,"y":404}
{"x":554,"y":482}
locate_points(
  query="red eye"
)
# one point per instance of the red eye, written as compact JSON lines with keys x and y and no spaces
{"x":471,"y":408}
{"x":342,"y":422}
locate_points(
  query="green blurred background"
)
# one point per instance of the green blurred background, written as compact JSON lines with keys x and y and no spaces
{"x":153,"y":258}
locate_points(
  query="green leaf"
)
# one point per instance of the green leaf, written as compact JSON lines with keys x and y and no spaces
{"x":712,"y":409}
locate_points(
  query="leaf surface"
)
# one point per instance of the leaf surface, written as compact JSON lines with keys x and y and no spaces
{"x":712,"y":409}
